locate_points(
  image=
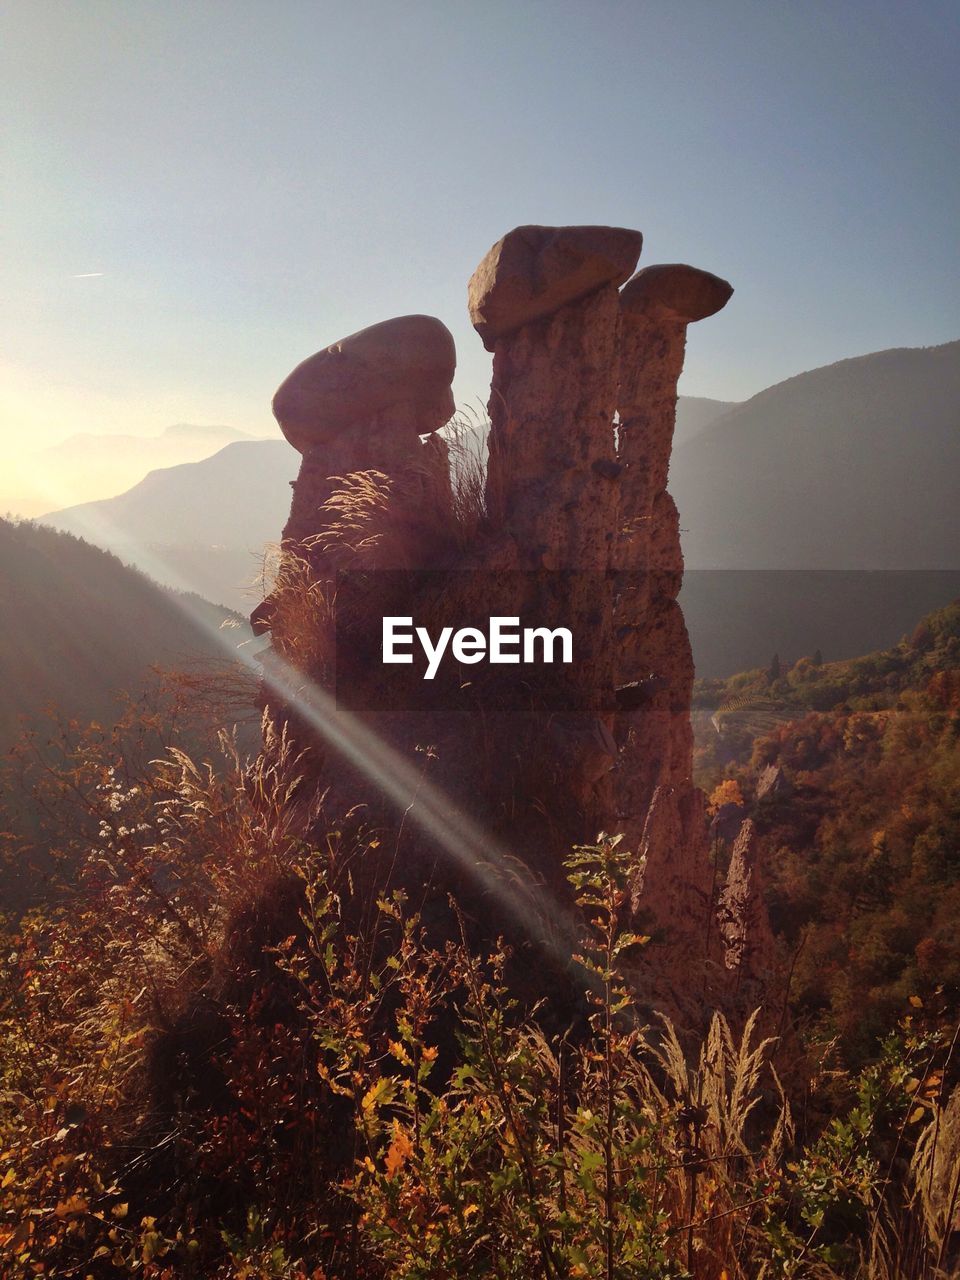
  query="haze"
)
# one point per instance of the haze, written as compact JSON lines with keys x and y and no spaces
{"x":199,"y":195}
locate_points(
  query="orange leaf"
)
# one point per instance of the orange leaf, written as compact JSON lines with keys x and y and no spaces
{"x":401,"y":1149}
{"x":71,"y":1208}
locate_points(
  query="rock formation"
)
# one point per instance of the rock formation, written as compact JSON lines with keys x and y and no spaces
{"x":657,"y":811}
{"x":749,"y":949}
{"x":361,"y":406}
{"x":577,"y":530}
{"x":545,"y":301}
{"x":657,"y":305}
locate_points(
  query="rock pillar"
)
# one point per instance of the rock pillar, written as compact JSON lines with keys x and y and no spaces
{"x":653,"y":649}
{"x":749,"y":948}
{"x":361,"y":405}
{"x":370,"y":493}
{"x":545,"y":302}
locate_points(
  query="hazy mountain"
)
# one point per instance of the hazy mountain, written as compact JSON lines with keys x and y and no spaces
{"x":182,"y":437}
{"x":696,"y":414}
{"x":203,"y":526}
{"x":81,"y":628}
{"x":89,"y":465}
{"x":739,"y":618}
{"x":856,"y":465}
{"x":199,"y":526}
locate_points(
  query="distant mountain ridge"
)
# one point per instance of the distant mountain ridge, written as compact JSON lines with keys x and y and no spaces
{"x":199,"y":526}
{"x":175,"y":435}
{"x":92,"y":465}
{"x":855,"y":466}
{"x":852,"y":466}
{"x":240,"y":496}
{"x":696,"y":414}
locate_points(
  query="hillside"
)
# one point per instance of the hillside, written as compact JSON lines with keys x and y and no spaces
{"x":200,"y":526}
{"x":696,"y":414}
{"x":82,"y":628}
{"x":852,"y":772}
{"x":856,"y":465}
{"x":739,"y":618}
{"x":91,"y":465}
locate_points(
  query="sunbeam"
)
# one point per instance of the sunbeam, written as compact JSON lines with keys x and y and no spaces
{"x":491,"y":866}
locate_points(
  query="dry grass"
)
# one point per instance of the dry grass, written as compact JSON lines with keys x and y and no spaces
{"x":429,"y":516}
{"x":467,"y":438}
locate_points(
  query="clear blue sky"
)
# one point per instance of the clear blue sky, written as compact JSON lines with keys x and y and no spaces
{"x":256,"y":178}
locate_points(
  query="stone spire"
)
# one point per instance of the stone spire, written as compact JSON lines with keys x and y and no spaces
{"x":544,"y":300}
{"x":656,"y":305}
{"x":362,"y":404}
{"x":748,"y":942}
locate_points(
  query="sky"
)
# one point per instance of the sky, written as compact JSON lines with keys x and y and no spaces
{"x":198,"y":195}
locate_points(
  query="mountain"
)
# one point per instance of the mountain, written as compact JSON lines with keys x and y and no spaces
{"x":198,"y":526}
{"x":853,"y":466}
{"x":823,"y":513}
{"x":696,"y":414}
{"x":181,"y":438}
{"x":92,"y":465}
{"x":739,"y":618}
{"x":81,"y":628}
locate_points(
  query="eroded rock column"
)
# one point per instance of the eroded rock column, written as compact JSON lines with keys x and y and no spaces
{"x":657,"y":305}
{"x":544,"y":300}
{"x":659,"y":810}
{"x":748,"y":941}
{"x":361,"y":405}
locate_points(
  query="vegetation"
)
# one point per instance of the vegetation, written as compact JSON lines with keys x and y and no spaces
{"x":852,"y":772}
{"x":230,"y":1054}
{"x":229,"y":1051}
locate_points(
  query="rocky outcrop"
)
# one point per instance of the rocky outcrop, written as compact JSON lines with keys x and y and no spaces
{"x":404,"y":366}
{"x":671,"y":890}
{"x":773,"y":783}
{"x":534,"y":271}
{"x":749,"y":951}
{"x":658,"y":304}
{"x":545,"y":301}
{"x":656,"y":739}
{"x":360,"y":406}
{"x":577,"y":530}
{"x":936,"y":1169}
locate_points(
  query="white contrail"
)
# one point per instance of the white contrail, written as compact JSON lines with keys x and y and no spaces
{"x":87,"y":275}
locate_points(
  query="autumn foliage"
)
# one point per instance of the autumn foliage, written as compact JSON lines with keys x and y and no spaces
{"x":228,"y":1051}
